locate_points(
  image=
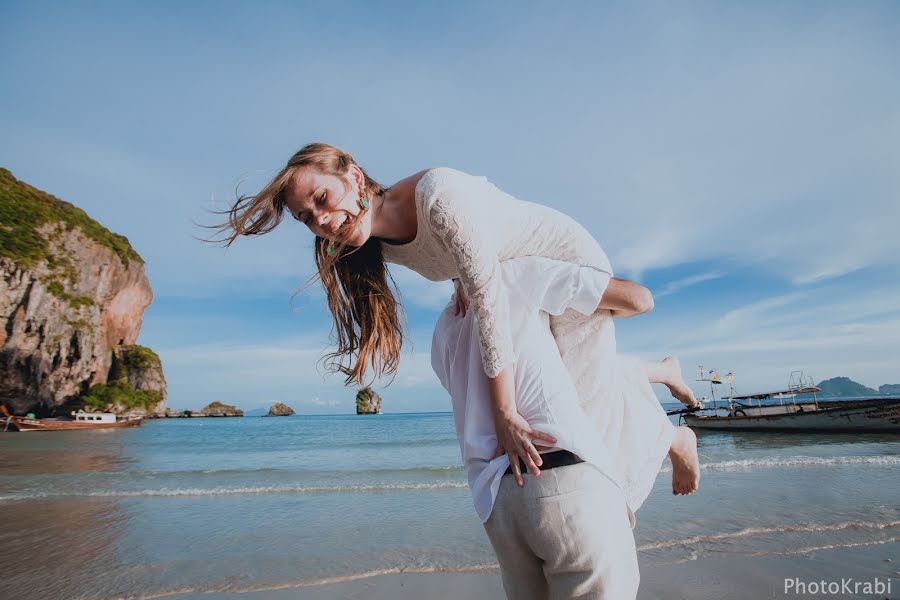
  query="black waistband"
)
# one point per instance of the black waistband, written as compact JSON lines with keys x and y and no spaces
{"x":551,"y":460}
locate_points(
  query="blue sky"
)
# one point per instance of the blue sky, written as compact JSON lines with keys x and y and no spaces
{"x":740,"y":159}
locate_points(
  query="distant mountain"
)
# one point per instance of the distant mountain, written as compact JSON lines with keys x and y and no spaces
{"x":890,"y":389}
{"x":257,"y":412}
{"x":844,"y":386}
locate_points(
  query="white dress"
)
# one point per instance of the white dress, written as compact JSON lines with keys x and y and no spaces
{"x":466,"y":226}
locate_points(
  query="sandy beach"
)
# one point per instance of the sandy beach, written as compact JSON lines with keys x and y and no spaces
{"x":753,"y":577}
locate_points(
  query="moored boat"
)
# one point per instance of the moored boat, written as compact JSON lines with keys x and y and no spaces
{"x":797,"y":409}
{"x":79,"y":420}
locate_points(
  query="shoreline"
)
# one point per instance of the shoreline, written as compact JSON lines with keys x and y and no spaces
{"x":735,"y":576}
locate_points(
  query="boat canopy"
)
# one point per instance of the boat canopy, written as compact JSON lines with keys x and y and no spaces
{"x":101,"y":417}
{"x":807,"y":389}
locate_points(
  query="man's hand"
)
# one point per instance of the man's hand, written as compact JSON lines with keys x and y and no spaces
{"x":461,"y":301}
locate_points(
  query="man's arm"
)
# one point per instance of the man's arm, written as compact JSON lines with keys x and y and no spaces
{"x":624,"y":298}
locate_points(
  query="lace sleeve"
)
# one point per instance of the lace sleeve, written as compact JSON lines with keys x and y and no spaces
{"x":466,"y":236}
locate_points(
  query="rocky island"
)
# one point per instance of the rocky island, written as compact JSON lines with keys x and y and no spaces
{"x":72,"y":299}
{"x":219,"y":409}
{"x":280,"y":409}
{"x":368,"y":402}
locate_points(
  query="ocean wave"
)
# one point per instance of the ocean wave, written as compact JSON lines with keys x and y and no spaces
{"x":235,"y":588}
{"x":234,"y":491}
{"x":442,"y":470}
{"x":794,"y":461}
{"x":810,"y":549}
{"x":416,"y":443}
{"x":697,"y":554}
{"x":753,"y":531}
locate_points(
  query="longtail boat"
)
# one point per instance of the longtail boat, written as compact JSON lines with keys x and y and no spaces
{"x":79,"y":420}
{"x":795,"y":408}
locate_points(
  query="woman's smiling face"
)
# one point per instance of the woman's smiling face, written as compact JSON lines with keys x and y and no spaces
{"x":326,"y":207}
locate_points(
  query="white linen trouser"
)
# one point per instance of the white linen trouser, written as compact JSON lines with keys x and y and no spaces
{"x":565,"y":534}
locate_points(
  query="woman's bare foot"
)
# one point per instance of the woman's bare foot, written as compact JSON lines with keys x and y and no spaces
{"x":685,"y":462}
{"x":675,"y":381}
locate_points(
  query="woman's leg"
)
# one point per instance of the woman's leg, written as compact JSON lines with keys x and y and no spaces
{"x":683,"y":451}
{"x":668,"y":372}
{"x":685,"y":462}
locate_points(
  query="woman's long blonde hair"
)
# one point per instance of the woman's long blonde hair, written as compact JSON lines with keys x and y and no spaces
{"x":355,"y":281}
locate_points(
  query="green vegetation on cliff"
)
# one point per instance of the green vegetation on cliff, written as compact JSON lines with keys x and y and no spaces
{"x":118,"y":388}
{"x":103,"y":395}
{"x":56,"y":287}
{"x":134,"y":358}
{"x":216,"y":405}
{"x":23,"y":209}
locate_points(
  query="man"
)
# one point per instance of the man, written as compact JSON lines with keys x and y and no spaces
{"x":568,"y":532}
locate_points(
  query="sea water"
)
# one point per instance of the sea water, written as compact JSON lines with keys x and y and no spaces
{"x":187,"y":506}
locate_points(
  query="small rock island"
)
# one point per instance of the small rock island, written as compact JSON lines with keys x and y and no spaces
{"x":219,"y":409}
{"x":368,"y":402}
{"x":280,"y":409}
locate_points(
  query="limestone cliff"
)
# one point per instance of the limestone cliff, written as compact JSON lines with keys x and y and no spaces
{"x":72,"y":296}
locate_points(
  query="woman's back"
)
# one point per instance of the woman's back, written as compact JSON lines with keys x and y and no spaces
{"x":490,"y":217}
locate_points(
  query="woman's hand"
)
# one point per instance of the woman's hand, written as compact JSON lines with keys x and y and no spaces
{"x":461,"y":301}
{"x":515,"y":437}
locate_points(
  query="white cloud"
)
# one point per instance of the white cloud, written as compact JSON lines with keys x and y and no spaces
{"x":677,"y":285}
{"x":751,"y":314}
{"x":319,"y":402}
{"x":828,"y":331}
{"x":780,"y":152}
{"x":289,"y":368}
{"x":760,"y":136}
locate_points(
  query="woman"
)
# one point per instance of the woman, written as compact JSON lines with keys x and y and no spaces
{"x":443,"y":224}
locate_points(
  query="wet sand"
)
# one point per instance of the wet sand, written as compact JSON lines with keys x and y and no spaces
{"x":751,"y":577}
